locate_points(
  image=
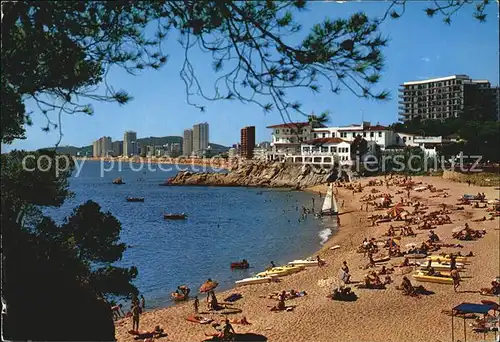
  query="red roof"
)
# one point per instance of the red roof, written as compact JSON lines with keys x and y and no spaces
{"x":321,"y":141}
{"x":290,"y":125}
{"x":377,"y":128}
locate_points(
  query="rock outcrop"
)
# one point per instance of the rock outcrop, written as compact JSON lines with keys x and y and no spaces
{"x":259,"y":174}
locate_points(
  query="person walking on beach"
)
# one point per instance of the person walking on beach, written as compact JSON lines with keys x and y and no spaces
{"x":196,"y":304}
{"x":456,"y":279}
{"x":136,"y":310}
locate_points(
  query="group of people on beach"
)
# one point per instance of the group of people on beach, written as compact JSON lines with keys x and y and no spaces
{"x":136,"y":308}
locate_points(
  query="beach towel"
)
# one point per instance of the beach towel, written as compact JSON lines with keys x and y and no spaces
{"x":233,"y":297}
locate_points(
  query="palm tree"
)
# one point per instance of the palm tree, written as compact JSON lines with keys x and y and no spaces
{"x":318,"y":120}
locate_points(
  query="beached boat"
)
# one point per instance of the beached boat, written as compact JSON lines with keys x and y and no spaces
{"x":240,"y":264}
{"x":307,"y":262}
{"x":175,"y":216}
{"x":416,"y":256}
{"x":135,"y":199}
{"x":253,"y":280}
{"x":330,"y":206}
{"x":440,"y":266}
{"x":422,"y":277}
{"x":281,"y":271}
{"x":382,"y":259}
{"x":446,"y":258}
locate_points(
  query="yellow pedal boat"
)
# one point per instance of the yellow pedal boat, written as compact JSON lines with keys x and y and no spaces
{"x":281,"y":271}
{"x":446,"y":258}
{"x":422,"y":277}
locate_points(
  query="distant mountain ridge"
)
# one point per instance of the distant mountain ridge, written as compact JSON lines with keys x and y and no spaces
{"x":158,"y":141}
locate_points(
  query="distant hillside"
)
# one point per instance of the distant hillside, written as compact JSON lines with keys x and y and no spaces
{"x":73,"y":150}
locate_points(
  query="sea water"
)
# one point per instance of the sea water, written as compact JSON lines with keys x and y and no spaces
{"x":224,"y":225}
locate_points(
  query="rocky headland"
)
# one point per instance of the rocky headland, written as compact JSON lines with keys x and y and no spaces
{"x":260,"y":174}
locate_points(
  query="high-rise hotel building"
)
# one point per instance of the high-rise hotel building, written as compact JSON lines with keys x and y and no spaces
{"x":446,"y":97}
{"x":130,"y":147}
{"x":247,"y":142}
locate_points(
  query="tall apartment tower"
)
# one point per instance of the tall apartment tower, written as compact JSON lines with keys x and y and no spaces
{"x":117,"y":147}
{"x":106,"y":146}
{"x":187,"y":142}
{"x":200,"y":137}
{"x":129,"y":143}
{"x":247,"y":142}
{"x":95,"y":149}
{"x":446,"y":97}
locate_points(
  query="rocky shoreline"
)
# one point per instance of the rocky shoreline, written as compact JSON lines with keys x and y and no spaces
{"x":259,"y":174}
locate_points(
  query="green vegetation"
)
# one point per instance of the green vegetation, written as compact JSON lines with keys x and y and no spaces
{"x":53,"y":272}
{"x":477,"y":136}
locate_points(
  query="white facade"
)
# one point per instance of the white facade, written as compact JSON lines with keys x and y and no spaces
{"x":381,"y":135}
{"x":287,"y":138}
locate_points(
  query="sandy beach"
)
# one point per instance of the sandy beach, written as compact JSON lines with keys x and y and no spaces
{"x":377,"y":315}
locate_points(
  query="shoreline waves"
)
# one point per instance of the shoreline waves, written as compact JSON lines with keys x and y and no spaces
{"x":384,"y":315}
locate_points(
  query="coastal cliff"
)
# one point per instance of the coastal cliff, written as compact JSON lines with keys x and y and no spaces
{"x":259,"y":174}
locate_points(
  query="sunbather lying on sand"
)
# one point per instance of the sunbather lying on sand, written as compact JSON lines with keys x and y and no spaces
{"x":242,"y":320}
{"x":493,"y":290}
{"x":156,"y":333}
{"x":225,"y":333}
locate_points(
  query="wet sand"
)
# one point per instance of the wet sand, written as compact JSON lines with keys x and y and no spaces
{"x":377,"y":315}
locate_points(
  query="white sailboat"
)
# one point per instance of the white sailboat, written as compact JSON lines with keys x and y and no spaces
{"x":330,"y":204}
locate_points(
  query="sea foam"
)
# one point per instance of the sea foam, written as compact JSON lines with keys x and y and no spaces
{"x":324,"y":235}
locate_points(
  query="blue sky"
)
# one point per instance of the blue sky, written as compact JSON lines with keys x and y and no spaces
{"x":419,"y":47}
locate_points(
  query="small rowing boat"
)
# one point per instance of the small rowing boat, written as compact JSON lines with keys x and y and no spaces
{"x":175,"y":216}
{"x":135,"y":199}
{"x":240,"y":264}
{"x":178,"y":296}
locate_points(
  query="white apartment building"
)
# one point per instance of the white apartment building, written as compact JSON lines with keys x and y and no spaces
{"x":380,"y":135}
{"x":287,"y":138}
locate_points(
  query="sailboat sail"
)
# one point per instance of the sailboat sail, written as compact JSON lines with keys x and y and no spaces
{"x":327,"y":204}
{"x":330,"y":203}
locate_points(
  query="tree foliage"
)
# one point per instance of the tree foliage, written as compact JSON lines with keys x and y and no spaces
{"x":57,"y":53}
{"x":53,"y":270}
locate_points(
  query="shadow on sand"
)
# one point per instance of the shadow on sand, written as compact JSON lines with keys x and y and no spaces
{"x":248,"y":337}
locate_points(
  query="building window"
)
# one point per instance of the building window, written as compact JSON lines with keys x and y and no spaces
{"x":333,"y":149}
{"x":333,"y":134}
{"x":372,"y":134}
{"x":364,"y":134}
{"x":380,"y":134}
{"x":324,"y":135}
{"x":277,"y":131}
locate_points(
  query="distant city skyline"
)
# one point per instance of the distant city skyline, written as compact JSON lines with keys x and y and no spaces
{"x":159,"y":106}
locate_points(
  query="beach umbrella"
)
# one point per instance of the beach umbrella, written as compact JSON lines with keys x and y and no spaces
{"x":209,"y":285}
{"x":395,"y":211}
{"x":457,"y":229}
